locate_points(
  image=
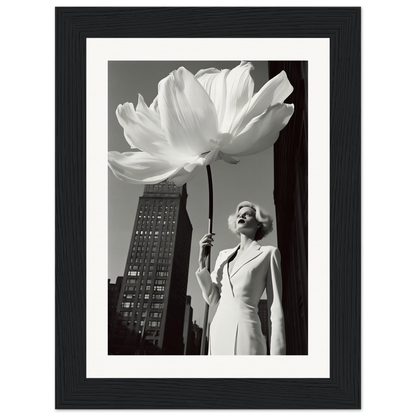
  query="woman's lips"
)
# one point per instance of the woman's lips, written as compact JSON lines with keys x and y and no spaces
{"x":241,"y":222}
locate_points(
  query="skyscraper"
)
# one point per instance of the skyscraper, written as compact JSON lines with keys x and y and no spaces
{"x":113,"y":295}
{"x":151,"y":305}
{"x":291,"y":200}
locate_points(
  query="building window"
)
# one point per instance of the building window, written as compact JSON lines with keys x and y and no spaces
{"x":129,"y":295}
{"x":157,"y":296}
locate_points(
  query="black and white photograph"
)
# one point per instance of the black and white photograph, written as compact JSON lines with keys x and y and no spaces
{"x":208,"y":207}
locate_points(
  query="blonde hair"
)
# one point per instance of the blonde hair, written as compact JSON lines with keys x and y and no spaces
{"x":262,"y":217}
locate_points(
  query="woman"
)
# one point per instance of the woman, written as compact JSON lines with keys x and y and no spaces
{"x":237,"y":283}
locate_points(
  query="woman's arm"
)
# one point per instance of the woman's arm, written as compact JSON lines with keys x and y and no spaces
{"x":210,"y":290}
{"x":205,"y":245}
{"x":274,"y":301}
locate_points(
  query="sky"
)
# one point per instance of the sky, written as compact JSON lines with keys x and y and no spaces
{"x":249,"y":180}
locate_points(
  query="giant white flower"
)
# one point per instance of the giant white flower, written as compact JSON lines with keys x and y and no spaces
{"x":196,"y":120}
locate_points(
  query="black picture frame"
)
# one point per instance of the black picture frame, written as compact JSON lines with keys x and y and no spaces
{"x":342,"y":390}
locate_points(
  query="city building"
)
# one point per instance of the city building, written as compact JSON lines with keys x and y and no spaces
{"x":151,"y":305}
{"x":265,"y":321}
{"x":113,"y":295}
{"x":188,"y":334}
{"x":197,"y":336}
{"x":291,"y":201}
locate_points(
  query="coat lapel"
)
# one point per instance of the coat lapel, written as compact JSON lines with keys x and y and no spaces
{"x":229,"y":255}
{"x":250,"y":254}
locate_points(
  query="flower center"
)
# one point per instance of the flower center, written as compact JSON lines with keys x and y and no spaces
{"x":224,"y":139}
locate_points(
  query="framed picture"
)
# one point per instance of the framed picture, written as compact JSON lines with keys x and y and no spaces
{"x":105,"y":57}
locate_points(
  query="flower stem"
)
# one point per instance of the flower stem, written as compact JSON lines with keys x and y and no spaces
{"x":208,"y":262}
{"x":210,"y":199}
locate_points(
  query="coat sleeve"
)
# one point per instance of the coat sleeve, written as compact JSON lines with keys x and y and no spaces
{"x":210,"y":290}
{"x":274,"y":301}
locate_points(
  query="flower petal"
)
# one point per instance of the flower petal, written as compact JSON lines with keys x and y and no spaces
{"x":214,"y":82}
{"x":275,"y":91}
{"x":140,"y":167}
{"x":182,"y":176}
{"x":227,"y":158}
{"x":240,"y":87}
{"x":187,"y":114}
{"x":262,"y":132}
{"x":203,"y":160}
{"x":142,"y":128}
{"x":155,"y":105}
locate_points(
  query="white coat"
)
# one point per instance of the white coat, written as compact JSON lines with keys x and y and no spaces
{"x":236,"y":327}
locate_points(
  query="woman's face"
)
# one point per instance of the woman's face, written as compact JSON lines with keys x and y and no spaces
{"x":246,"y":221}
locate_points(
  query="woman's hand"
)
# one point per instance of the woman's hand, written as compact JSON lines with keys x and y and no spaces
{"x":204,"y":246}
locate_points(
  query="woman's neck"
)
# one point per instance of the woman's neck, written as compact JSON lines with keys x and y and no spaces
{"x":245,"y":242}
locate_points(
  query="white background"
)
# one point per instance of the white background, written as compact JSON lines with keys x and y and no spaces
{"x":316,"y":363}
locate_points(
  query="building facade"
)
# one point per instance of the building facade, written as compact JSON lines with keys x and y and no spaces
{"x":291,"y":200}
{"x":197,"y":336}
{"x":151,"y":305}
{"x":263,"y":312}
{"x":188,"y":334}
{"x":113,"y":296}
